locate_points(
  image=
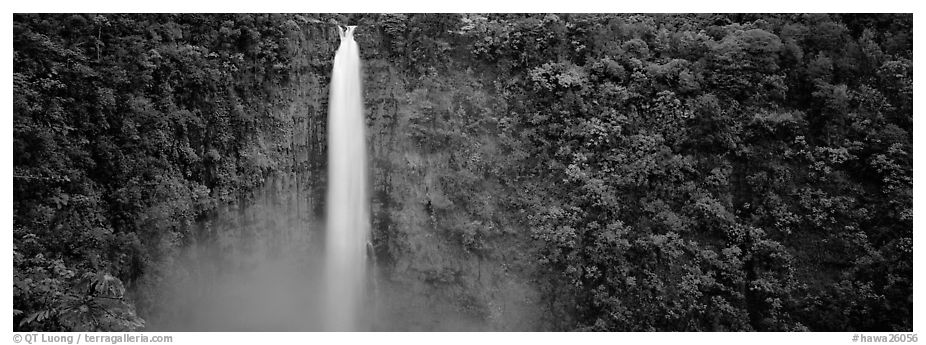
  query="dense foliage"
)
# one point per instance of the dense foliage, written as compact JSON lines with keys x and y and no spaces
{"x":713,"y":172}
{"x":127,"y":130}
{"x":647,"y":172}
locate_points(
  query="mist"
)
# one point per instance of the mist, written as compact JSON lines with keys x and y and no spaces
{"x":260,"y":268}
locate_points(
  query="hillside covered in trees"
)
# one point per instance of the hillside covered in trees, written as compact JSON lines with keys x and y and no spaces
{"x":597,"y":172}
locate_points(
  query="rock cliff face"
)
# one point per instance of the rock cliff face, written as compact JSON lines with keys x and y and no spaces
{"x":430,"y":271}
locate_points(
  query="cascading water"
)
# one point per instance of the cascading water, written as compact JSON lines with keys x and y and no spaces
{"x":348,"y":223}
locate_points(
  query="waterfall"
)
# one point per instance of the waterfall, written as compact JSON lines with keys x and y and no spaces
{"x":348,"y":223}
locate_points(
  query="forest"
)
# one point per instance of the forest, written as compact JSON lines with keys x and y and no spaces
{"x":529,"y":172}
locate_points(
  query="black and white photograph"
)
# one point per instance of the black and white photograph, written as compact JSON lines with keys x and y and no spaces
{"x":461,"y":172}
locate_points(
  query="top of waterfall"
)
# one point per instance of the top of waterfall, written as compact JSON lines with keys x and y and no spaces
{"x":346,"y":32}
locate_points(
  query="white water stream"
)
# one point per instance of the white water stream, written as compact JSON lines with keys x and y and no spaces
{"x":348,"y":220}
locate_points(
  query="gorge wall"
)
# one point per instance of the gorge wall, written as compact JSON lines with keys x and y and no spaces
{"x":428,"y":274}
